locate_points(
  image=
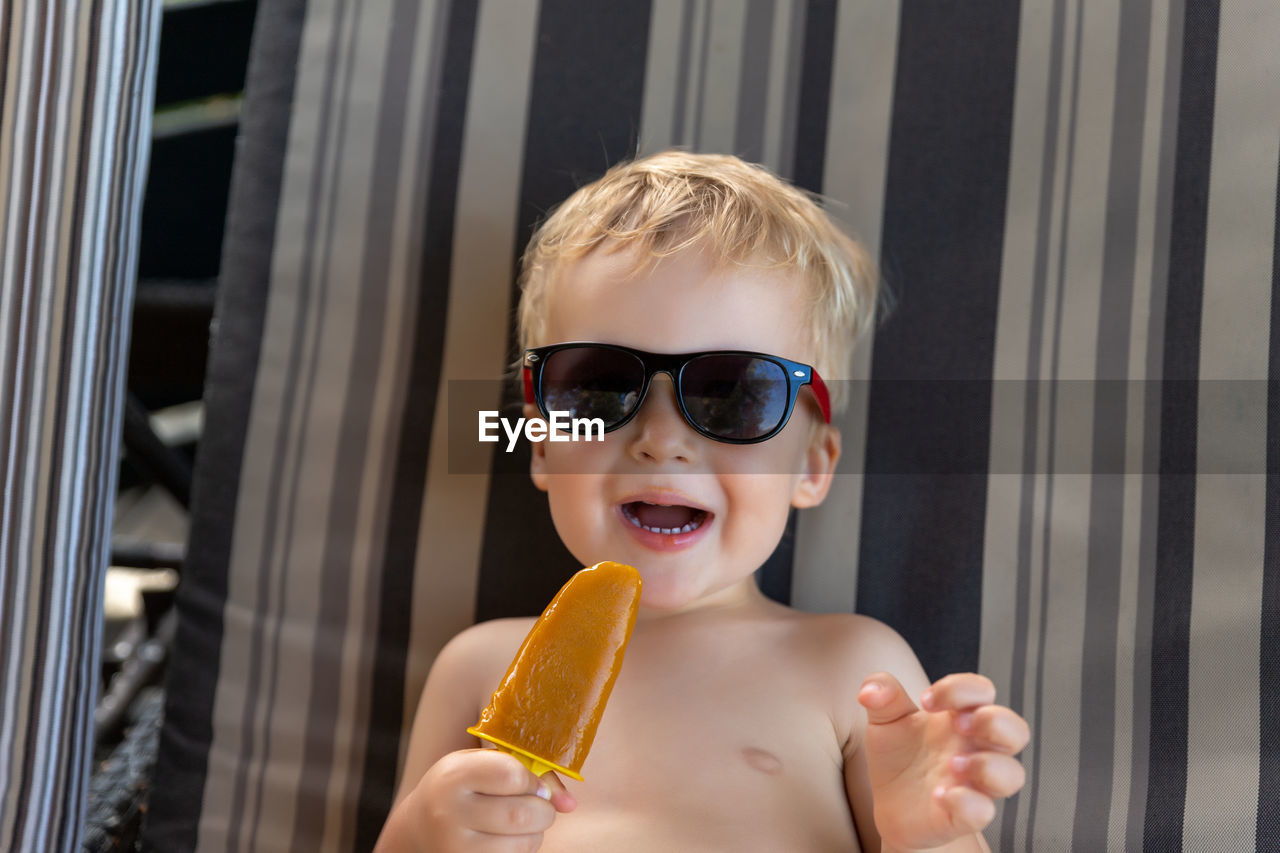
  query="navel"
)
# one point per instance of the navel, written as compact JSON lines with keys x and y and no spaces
{"x":762,"y":760}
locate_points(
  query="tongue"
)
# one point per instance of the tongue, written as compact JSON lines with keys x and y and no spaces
{"x":663,"y":516}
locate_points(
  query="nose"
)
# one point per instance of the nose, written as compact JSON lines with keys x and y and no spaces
{"x":658,"y":431}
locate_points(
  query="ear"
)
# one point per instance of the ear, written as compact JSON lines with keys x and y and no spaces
{"x":820,"y":466}
{"x":537,"y":452}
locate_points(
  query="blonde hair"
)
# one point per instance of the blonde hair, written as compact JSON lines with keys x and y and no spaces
{"x":674,"y":200}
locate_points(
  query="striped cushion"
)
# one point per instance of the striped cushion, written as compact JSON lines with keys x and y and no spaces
{"x":1056,"y":473}
{"x":76,"y":82}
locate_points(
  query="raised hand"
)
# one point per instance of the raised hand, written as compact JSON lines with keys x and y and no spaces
{"x":937,"y":769}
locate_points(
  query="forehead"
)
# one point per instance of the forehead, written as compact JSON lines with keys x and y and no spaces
{"x":682,"y":303}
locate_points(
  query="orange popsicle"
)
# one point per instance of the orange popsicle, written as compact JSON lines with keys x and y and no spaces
{"x":546,"y":710}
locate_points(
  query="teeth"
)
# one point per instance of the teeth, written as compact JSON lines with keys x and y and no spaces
{"x":689,"y":527}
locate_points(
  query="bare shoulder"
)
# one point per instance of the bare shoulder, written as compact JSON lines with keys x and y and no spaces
{"x":471,"y":663}
{"x":474,"y":659}
{"x":854,"y":642}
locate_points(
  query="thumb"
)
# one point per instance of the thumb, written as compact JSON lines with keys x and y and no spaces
{"x":557,"y":794}
{"x":885,"y":699}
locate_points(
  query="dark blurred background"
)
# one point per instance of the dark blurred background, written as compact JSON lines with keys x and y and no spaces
{"x":204,"y":49}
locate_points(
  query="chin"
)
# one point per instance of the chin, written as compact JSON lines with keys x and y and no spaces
{"x":664,"y":594}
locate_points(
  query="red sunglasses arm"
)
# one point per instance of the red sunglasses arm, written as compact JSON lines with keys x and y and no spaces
{"x":820,"y":392}
{"x":528,"y":385}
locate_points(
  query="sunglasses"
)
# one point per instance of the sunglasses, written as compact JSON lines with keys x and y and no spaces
{"x":726,"y":395}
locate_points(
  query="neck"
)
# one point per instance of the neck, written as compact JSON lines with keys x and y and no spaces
{"x":742,"y":598}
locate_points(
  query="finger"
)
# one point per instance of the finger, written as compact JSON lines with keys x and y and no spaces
{"x":556,"y":793}
{"x":500,"y":774}
{"x":970,"y":810}
{"x":990,"y":773}
{"x":519,"y":814}
{"x":959,"y":691}
{"x":885,"y":699}
{"x":994,"y":727}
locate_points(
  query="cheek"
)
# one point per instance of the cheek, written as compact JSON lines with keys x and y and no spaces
{"x":760,"y":505}
{"x":782,"y":457}
{"x":576,"y":504}
{"x":569,"y":494}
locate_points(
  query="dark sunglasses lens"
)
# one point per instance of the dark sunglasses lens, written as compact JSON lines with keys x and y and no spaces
{"x":592,"y":382}
{"x":738,"y":397}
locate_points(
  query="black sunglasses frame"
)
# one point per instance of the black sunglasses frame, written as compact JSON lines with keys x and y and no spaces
{"x":673,"y":364}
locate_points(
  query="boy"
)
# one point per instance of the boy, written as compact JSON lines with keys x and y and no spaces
{"x":736,"y":724}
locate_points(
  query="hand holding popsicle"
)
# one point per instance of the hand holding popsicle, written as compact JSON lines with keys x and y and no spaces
{"x":482,"y":799}
{"x":936,"y":771}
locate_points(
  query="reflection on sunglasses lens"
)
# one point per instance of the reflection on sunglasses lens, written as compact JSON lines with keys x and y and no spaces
{"x":733,"y":396}
{"x":592,"y":382}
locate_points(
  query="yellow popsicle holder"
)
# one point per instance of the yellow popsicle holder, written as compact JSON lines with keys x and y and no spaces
{"x":536,"y":764}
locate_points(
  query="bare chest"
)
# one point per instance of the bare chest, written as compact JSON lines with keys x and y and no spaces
{"x":709,"y":757}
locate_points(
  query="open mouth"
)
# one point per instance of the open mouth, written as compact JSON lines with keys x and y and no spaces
{"x":663,"y":518}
